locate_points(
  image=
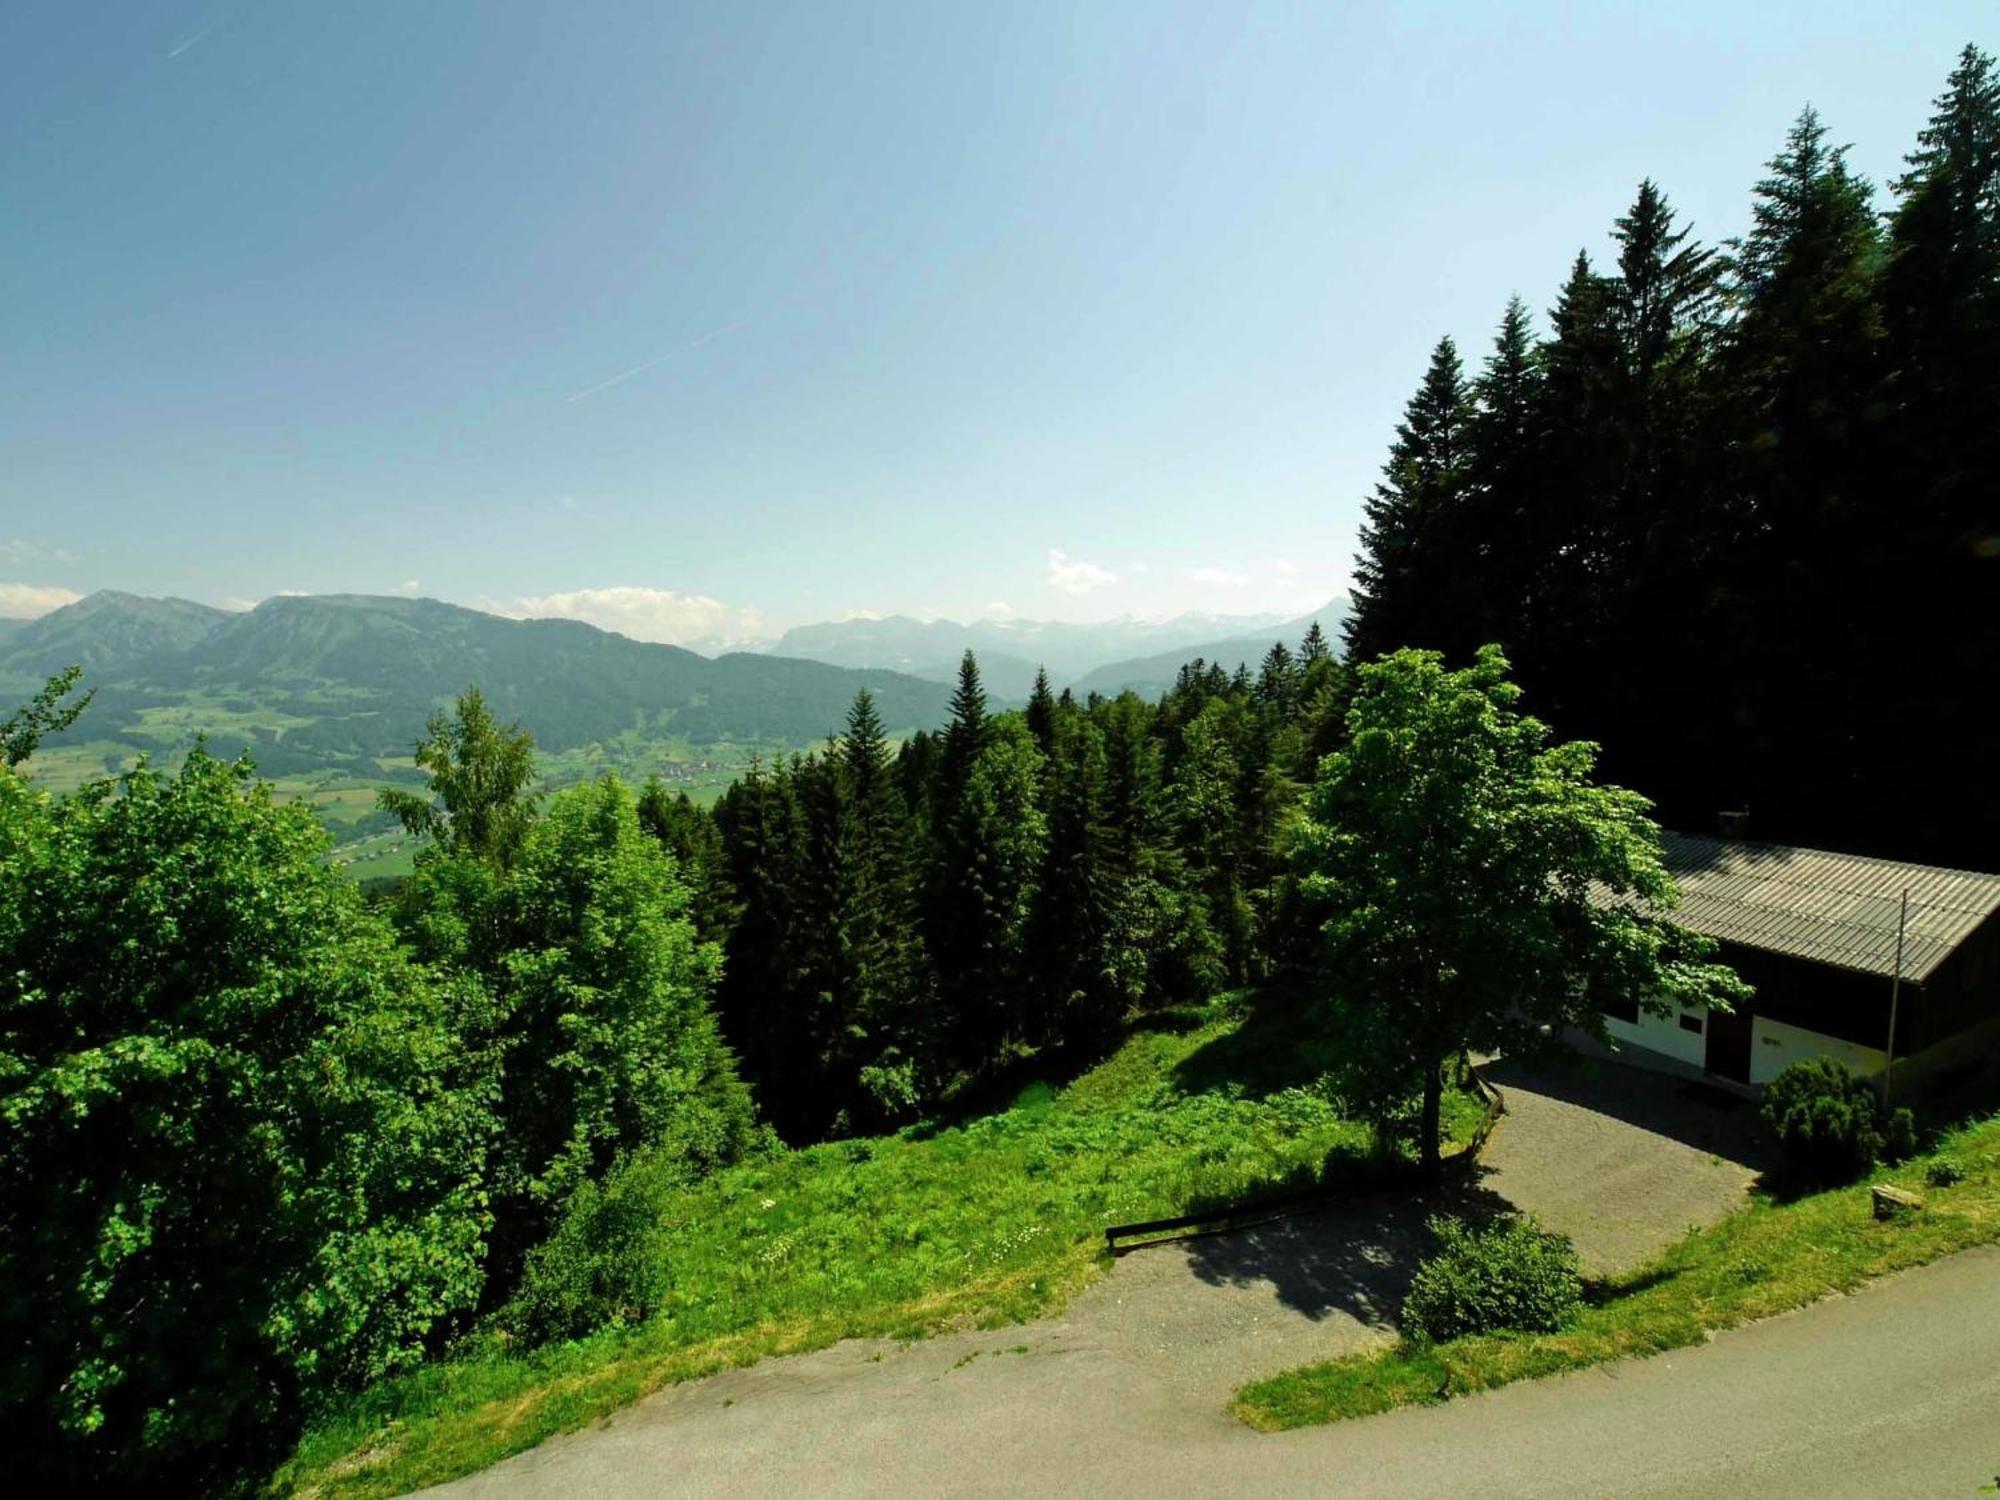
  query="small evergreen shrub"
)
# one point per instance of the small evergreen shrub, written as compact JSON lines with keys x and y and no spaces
{"x":1825,"y":1121}
{"x":1509,"y":1274}
{"x":1899,"y":1136}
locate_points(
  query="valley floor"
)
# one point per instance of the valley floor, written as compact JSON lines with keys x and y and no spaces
{"x":1128,"y":1390}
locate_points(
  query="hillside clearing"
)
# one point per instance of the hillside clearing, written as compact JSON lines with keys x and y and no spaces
{"x":990,"y":1222}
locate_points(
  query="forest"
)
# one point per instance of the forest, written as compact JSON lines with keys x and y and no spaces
{"x":272,"y":1146}
{"x":1737,"y":516}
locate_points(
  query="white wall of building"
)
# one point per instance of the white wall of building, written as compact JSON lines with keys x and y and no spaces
{"x":1774,"y":1045}
{"x":1663,"y":1034}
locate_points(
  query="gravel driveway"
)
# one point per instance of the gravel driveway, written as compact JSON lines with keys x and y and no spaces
{"x":1621,"y":1160}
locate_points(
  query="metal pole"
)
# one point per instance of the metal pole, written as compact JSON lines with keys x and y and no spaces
{"x":1895,"y":991}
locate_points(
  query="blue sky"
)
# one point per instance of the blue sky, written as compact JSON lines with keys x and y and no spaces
{"x":771,"y":313}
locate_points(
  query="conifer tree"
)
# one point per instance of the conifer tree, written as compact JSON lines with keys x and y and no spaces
{"x":993,"y":859}
{"x":1078,"y":999}
{"x":964,"y":738}
{"x":1396,"y":571}
{"x":1500,"y":511}
{"x":1042,"y":712}
{"x":882,"y":989}
{"x":1935,"y":525}
{"x":1278,"y":680}
{"x":1803,"y":365}
{"x":689,"y":833}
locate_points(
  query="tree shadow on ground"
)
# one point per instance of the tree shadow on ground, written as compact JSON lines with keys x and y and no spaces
{"x":1696,"y":1114}
{"x":1287,"y":1040}
{"x":1001,"y":1086}
{"x":1355,"y":1258}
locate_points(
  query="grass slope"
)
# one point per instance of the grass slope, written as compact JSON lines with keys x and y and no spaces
{"x":989,"y":1222}
{"x":1768,"y":1258}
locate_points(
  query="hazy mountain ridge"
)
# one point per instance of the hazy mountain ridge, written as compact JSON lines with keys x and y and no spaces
{"x":1009,"y":650}
{"x":364,"y":672}
{"x":1149,"y":676}
{"x":106,"y":633}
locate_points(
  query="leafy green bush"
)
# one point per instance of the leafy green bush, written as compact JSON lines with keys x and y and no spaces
{"x":597,"y":1270}
{"x":1944,"y":1172}
{"x":1508,"y":1274}
{"x":241,"y":1152}
{"x":1825,"y":1121}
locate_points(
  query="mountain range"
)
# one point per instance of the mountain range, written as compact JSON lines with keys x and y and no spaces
{"x":1107,"y":656}
{"x":343,"y":683}
{"x":345,"y":680}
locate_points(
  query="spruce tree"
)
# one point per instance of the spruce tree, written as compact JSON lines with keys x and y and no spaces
{"x":1935,"y":524}
{"x":1400,"y":567}
{"x":1802,"y":369}
{"x":1277,"y":680}
{"x":1501,"y":509}
{"x":1042,"y":712}
{"x":964,"y":737}
{"x":1077,"y":997}
{"x":878,"y":921}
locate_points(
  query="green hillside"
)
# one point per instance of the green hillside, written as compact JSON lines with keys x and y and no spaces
{"x":330,"y":694}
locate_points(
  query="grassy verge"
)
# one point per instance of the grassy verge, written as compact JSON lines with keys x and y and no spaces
{"x":985,"y":1223}
{"x":1767,"y":1258}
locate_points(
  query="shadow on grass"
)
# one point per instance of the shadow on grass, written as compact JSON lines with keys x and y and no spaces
{"x":1034,"y":1073}
{"x":1354,"y":1258}
{"x":1287,"y":1040}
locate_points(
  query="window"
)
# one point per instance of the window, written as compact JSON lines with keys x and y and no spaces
{"x":1622,"y":1010}
{"x":1691,"y":1021}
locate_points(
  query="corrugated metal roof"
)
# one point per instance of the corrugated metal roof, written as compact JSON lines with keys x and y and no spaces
{"x":1838,"y":909}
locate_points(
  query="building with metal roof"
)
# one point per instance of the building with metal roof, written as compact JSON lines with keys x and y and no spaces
{"x":1839,"y":947}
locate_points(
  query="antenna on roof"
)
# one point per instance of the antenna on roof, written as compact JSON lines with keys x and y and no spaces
{"x":1895,"y":993}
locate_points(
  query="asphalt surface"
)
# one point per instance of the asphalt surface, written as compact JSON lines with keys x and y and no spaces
{"x":1892,"y":1392}
{"x":1889,"y":1393}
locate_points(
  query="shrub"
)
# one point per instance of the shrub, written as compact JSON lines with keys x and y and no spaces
{"x":1825,"y":1121}
{"x":1899,"y":1136}
{"x":1944,"y":1172}
{"x":1509,"y":1274}
{"x":601,"y":1267}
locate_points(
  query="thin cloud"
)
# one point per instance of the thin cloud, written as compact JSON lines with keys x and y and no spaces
{"x":648,"y":614}
{"x":1221,"y":578}
{"x":18,"y":551}
{"x":28,"y":601}
{"x":658,"y":359}
{"x":1075,"y":576}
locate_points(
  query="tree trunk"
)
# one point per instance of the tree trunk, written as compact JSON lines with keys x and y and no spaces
{"x":1433,"y":1157}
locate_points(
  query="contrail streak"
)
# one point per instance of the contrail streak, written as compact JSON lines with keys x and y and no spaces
{"x":177,"y":51}
{"x":693,"y":343}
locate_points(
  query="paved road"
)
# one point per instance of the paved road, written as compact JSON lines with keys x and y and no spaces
{"x":1892,"y":1392}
